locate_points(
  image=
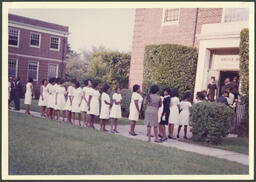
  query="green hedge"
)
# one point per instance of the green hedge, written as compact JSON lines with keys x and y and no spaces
{"x":244,"y":69}
{"x":126,"y":99}
{"x":170,"y":65}
{"x":210,"y":121}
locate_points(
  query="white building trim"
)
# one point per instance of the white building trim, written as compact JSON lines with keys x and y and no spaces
{"x":37,"y":28}
{"x":36,"y":57}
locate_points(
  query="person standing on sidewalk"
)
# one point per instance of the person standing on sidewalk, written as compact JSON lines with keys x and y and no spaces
{"x":116,"y":112}
{"x":153,"y":102}
{"x":29,"y":95}
{"x":105,"y":107}
{"x":18,"y":93}
{"x":135,"y":108}
{"x":12,"y":92}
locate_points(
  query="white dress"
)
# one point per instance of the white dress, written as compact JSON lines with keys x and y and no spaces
{"x":28,"y":94}
{"x":160,"y":110}
{"x":55,"y":87}
{"x":105,"y":108}
{"x":42,"y":102}
{"x":134,"y":114}
{"x":68,"y":106}
{"x":184,"y":114}
{"x":61,"y":101}
{"x":95,"y":103}
{"x":51,"y":94}
{"x":84,"y":105}
{"x":116,"y":109}
{"x":77,"y":95}
{"x":174,"y":110}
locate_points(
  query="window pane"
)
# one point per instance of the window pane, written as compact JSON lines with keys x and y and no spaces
{"x":52,"y":70}
{"x":171,"y":15}
{"x":54,"y":43}
{"x":13,"y":37}
{"x":34,"y":39}
{"x":32,"y":70}
{"x":236,"y":14}
{"x":12,"y":67}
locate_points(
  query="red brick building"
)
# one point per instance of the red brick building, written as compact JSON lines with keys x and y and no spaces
{"x":36,"y":49}
{"x":214,"y":31}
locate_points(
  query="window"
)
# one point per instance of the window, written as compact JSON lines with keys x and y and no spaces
{"x":13,"y":37}
{"x":33,"y":70}
{"x":35,"y":40}
{"x":55,"y":43}
{"x":52,"y":71}
{"x":236,"y":14}
{"x":12,"y":67}
{"x":171,"y":16}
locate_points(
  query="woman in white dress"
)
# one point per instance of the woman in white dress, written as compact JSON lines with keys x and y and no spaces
{"x":135,"y":108}
{"x":184,"y":114}
{"x":105,"y":107}
{"x":174,"y":111}
{"x":93,"y":104}
{"x":43,"y":97}
{"x":115,"y":112}
{"x":76,"y":103}
{"x":50,"y":98}
{"x":84,"y":105}
{"x":55,"y":88}
{"x":60,"y":100}
{"x":68,"y":106}
{"x":28,"y":95}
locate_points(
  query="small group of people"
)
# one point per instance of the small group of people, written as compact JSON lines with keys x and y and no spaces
{"x":14,"y":92}
{"x":161,"y":110}
{"x":76,"y":101}
{"x":229,"y":92}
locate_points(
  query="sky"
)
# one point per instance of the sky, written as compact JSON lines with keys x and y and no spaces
{"x":111,"y":28}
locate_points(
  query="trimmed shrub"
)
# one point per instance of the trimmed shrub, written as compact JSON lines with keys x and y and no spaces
{"x":244,"y":69}
{"x":126,"y":100}
{"x":170,"y":65}
{"x":210,"y":121}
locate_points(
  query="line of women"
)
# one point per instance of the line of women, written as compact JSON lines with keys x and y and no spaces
{"x":161,"y":111}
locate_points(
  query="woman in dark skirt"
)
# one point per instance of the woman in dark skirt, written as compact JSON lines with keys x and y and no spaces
{"x":165,"y":115}
{"x":212,"y":90}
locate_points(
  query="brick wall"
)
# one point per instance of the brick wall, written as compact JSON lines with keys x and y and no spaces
{"x":148,"y":29}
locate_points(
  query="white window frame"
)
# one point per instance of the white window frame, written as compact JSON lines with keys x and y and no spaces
{"x":171,"y":22}
{"x":34,"y":62}
{"x":57,"y":69}
{"x":223,"y":16}
{"x":39,"y":40}
{"x":52,"y":49}
{"x":17,"y":46}
{"x":17,"y":62}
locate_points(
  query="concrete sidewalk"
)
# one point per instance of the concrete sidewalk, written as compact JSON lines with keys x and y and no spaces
{"x":141,"y":131}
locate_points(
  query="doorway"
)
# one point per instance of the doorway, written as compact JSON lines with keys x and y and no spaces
{"x":226,"y":74}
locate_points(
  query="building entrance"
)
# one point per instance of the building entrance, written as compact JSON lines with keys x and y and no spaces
{"x":224,"y":75}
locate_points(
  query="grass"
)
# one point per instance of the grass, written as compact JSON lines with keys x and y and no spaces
{"x":239,"y":144}
{"x":43,"y":147}
{"x":34,"y":107}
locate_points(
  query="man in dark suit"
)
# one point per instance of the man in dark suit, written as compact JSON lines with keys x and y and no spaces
{"x":18,"y":93}
{"x":223,"y":98}
{"x":12,"y":92}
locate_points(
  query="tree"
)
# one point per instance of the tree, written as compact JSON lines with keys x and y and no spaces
{"x":110,"y":67}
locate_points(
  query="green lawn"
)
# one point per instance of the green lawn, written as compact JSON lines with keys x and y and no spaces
{"x":39,"y":146}
{"x":239,"y":144}
{"x":34,"y":107}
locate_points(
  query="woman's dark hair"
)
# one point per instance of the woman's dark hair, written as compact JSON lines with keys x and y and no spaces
{"x":61,"y":81}
{"x":154,"y":89}
{"x":105,"y":88}
{"x":95,"y":84}
{"x":168,"y":90}
{"x":200,"y":95}
{"x":43,"y":81}
{"x":87,"y":81}
{"x":73,"y":81}
{"x":135,"y":88}
{"x":187,"y":95}
{"x":117,"y":88}
{"x":174,"y":92}
{"x":77,"y":84}
{"x":30,"y":79}
{"x":58,"y":80}
{"x":17,"y":78}
{"x":212,"y":77}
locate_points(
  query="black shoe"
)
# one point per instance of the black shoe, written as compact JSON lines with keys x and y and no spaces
{"x":169,"y":137}
{"x":178,"y":136}
{"x":185,"y":137}
{"x":160,"y":136}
